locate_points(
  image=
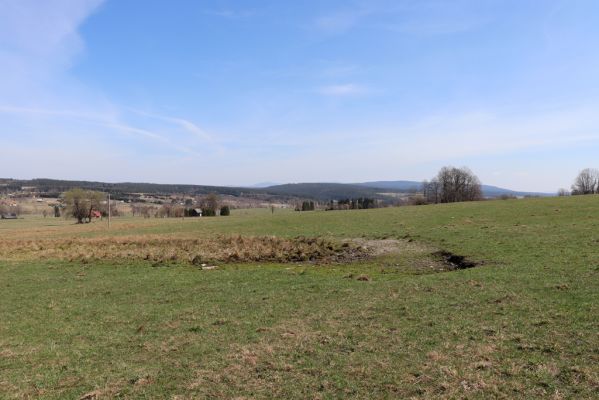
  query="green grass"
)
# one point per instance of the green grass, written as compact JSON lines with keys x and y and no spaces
{"x":523,"y":324}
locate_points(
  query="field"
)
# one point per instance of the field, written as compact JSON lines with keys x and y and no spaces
{"x":342,"y":304}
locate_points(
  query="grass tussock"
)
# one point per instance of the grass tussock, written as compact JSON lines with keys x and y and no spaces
{"x":163,"y":249}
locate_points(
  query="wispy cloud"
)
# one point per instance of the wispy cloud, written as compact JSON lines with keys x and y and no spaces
{"x":30,"y":111}
{"x":343,"y":90}
{"x":231,"y":13}
{"x":39,"y":43}
{"x":416,"y":18}
{"x":185,"y":124}
{"x":61,"y":118}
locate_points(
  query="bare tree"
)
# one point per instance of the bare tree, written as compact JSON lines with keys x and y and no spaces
{"x":587,"y":182}
{"x":80,"y":203}
{"x":431,"y":191}
{"x":563,"y":192}
{"x":452,"y":185}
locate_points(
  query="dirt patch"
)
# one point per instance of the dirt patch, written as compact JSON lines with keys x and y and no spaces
{"x":413,"y":255}
{"x":393,"y":247}
{"x":455,"y":261}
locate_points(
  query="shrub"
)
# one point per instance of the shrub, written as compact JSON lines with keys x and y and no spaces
{"x":417,"y":201}
{"x":225,"y":211}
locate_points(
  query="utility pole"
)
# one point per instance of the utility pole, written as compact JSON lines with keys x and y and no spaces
{"x":108,"y":210}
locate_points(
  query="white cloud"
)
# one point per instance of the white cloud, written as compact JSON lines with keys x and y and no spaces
{"x":185,"y":124}
{"x":39,"y":41}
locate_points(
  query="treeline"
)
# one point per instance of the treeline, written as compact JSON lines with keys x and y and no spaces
{"x":344,"y":204}
{"x":361,"y":203}
{"x":208,"y":206}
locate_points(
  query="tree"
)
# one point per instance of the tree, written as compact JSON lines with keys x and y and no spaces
{"x":80,"y":203}
{"x":453,"y":185}
{"x":431,"y":191}
{"x":209,"y":205}
{"x":563,"y":192}
{"x":587,"y":182}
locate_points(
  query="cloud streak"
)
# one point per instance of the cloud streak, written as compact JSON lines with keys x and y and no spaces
{"x":416,"y":18}
{"x":38,"y":43}
{"x":343,"y":90}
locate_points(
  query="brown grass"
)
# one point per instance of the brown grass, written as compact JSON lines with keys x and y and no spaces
{"x":166,"y":248}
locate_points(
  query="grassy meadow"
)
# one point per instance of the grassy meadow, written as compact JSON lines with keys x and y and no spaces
{"x":322,"y":305}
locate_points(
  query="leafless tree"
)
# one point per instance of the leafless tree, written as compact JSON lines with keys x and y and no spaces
{"x":587,"y":182}
{"x":452,"y":185}
{"x":431,"y":191}
{"x":563,"y":192}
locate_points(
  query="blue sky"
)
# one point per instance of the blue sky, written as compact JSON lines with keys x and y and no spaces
{"x":238,"y":92}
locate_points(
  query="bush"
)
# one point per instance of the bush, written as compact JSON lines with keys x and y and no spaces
{"x":225,"y":211}
{"x":417,"y":201}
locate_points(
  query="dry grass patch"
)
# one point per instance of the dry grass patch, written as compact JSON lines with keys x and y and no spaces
{"x":166,"y":248}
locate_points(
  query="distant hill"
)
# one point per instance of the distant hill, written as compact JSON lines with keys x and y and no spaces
{"x":382,"y":190}
{"x":53,"y":187}
{"x":328,"y":191}
{"x":263,"y":184}
{"x":494,"y":191}
{"x":405,"y":186}
{"x":488,"y":190}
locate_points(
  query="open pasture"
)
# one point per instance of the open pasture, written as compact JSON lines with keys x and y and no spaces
{"x":342,"y":304}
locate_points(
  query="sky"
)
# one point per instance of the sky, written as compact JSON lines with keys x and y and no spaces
{"x":239,"y":92}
